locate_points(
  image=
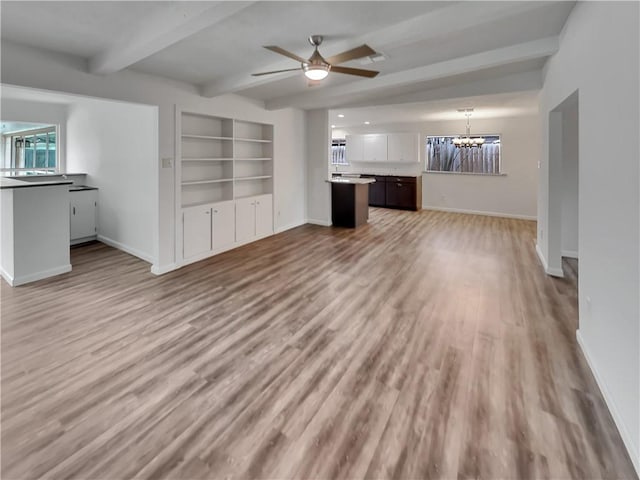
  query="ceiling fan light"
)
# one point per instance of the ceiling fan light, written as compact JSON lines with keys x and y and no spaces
{"x":316,"y":72}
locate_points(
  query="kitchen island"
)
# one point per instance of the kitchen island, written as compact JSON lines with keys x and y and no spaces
{"x":349,"y":201}
{"x":34,"y":242}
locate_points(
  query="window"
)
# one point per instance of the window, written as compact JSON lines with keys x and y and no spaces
{"x":443,"y":156}
{"x":338,"y":152}
{"x":32,"y":150}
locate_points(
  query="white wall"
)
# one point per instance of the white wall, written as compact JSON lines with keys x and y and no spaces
{"x":589,"y":60}
{"x":116,"y":145}
{"x":513,"y":194}
{"x":570,"y":172}
{"x":318,"y":190}
{"x":22,"y":65}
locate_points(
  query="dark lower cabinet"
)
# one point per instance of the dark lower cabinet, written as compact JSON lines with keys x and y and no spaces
{"x":395,"y":192}
{"x":377,"y":191}
{"x":400,"y":194}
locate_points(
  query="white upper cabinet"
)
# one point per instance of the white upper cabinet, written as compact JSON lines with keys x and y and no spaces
{"x":374,"y":148}
{"x":403,"y":147}
{"x":353,"y":148}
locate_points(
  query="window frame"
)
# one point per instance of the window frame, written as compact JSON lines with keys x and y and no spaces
{"x":341,"y":142}
{"x":425,"y":163}
{"x":13,"y":137}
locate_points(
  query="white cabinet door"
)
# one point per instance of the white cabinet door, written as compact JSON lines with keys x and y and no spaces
{"x":374,"y":148}
{"x":245,"y":219}
{"x":196,"y":231}
{"x":353,"y":148}
{"x":403,"y":147}
{"x":82,"y":212}
{"x":224,"y":225}
{"x":264,"y":215}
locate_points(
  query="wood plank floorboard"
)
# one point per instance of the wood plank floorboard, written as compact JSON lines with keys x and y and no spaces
{"x":423,"y":345}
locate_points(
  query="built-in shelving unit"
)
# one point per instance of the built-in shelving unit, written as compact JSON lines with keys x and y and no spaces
{"x":224,"y":179}
{"x":223,"y":159}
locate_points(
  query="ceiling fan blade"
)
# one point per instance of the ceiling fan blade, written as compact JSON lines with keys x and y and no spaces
{"x":282,"y":51}
{"x":358,"y":52}
{"x":355,"y":71}
{"x":274,"y":71}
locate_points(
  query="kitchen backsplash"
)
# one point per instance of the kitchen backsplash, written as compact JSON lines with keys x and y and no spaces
{"x":379,"y":168}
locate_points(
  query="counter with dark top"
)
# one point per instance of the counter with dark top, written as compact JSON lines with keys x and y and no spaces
{"x":14,"y":183}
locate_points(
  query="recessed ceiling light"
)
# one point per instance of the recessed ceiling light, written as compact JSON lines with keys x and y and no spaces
{"x":333,"y":126}
{"x":367,"y":123}
{"x":341,"y":115}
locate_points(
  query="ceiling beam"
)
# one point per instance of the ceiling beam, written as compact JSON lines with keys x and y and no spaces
{"x":175,"y":22}
{"x":429,"y":26}
{"x":335,"y":96}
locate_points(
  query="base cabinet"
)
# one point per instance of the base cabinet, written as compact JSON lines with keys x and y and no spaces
{"x":223,"y":225}
{"x":254,"y":218}
{"x":401,"y":194}
{"x":216,"y":227}
{"x":197,"y":231}
{"x":82,"y":215}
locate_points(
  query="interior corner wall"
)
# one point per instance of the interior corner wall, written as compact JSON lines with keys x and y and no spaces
{"x":23,"y":66}
{"x":318,"y":190}
{"x":116,"y":145}
{"x":609,"y":203}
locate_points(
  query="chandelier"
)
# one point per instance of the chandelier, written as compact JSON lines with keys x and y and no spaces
{"x":467,"y":141}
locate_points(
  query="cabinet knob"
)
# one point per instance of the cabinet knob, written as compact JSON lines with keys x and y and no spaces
{"x":215,"y":211}
{"x":208,"y":212}
{"x":399,"y":184}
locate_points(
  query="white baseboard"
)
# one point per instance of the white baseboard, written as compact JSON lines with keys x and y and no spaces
{"x":33,"y":277}
{"x":479,"y":212}
{"x":634,"y":452}
{"x":569,"y":254}
{"x":161,"y":270}
{"x":289,"y":227}
{"x":554,"y":272}
{"x":125,"y":248}
{"x":323,"y":223}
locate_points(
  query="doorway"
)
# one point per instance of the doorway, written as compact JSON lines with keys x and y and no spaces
{"x":564,"y":184}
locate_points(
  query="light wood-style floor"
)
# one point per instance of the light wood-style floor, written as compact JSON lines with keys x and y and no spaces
{"x":423,"y":345}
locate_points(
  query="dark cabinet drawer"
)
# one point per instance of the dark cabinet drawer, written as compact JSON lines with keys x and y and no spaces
{"x":401,"y":195}
{"x":402,"y":179}
{"x":377,"y":194}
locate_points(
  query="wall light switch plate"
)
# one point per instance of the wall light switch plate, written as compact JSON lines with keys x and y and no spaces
{"x":167,"y":163}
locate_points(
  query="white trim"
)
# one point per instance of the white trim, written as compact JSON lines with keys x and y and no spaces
{"x":554,"y":272}
{"x":324,"y":223}
{"x":632,"y":450}
{"x":480,"y":212}
{"x":161,"y":270}
{"x":125,"y":248}
{"x":78,"y":241}
{"x":289,"y":227}
{"x":33,"y":277}
{"x":570,"y":253}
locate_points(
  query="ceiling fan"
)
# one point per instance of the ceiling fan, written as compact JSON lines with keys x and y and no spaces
{"x":317,"y":67}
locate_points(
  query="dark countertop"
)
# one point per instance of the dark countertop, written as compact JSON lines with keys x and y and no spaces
{"x":6,"y":183}
{"x":80,"y":188}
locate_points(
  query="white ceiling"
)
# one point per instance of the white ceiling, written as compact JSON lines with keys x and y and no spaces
{"x":487,"y":106}
{"x":217,"y":45}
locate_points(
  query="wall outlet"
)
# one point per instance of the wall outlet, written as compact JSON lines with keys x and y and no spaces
{"x":167,"y":163}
